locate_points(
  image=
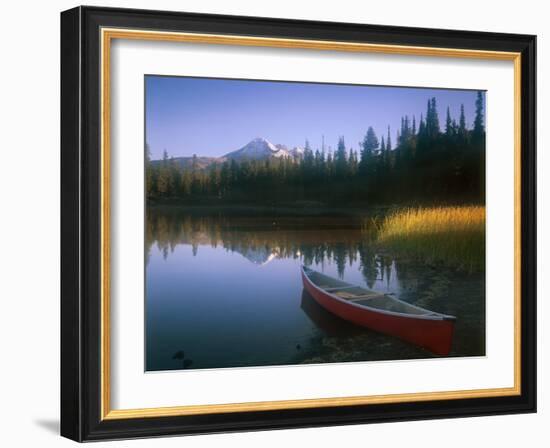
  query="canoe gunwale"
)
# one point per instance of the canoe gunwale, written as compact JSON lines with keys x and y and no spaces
{"x":434,"y":315}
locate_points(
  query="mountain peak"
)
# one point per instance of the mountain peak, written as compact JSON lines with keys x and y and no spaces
{"x":256,"y":149}
{"x":259,"y":140}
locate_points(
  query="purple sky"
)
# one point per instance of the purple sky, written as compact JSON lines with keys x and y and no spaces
{"x":211,"y":117}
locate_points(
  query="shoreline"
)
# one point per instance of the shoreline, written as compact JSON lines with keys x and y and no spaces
{"x":302,"y":208}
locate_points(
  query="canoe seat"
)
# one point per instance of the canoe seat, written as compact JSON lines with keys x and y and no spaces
{"x":352,"y":297}
{"x":338,"y":288}
{"x":366,"y":297}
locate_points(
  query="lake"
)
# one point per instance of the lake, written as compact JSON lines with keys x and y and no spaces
{"x":224,"y":290}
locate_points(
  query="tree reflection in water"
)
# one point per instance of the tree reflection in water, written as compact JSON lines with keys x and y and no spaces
{"x":335,"y":239}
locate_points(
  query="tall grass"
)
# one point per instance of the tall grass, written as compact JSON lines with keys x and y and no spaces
{"x":450,"y":235}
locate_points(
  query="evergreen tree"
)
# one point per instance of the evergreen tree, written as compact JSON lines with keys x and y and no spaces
{"x":384,"y":158}
{"x":429,"y":120}
{"x":432,"y":119}
{"x":340,"y":158}
{"x":448,"y":124}
{"x":369,"y":146}
{"x":435,"y":116}
{"x":462,"y":122}
{"x":421,"y":127}
{"x":353,"y":165}
{"x":405,"y":133}
{"x":478,"y":131}
{"x":308,"y":159}
{"x":329,"y":164}
{"x":163,"y":182}
{"x":174,"y":178}
{"x":320,"y":164}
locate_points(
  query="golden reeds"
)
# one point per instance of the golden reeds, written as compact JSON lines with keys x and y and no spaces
{"x":450,"y":235}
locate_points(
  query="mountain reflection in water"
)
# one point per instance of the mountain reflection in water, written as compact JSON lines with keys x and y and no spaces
{"x":227,"y":291}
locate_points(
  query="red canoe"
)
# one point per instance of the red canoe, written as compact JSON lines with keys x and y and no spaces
{"x":381,"y":312}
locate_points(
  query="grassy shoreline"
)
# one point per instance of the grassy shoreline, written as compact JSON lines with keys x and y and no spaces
{"x":454,"y":236}
{"x":294,"y":208}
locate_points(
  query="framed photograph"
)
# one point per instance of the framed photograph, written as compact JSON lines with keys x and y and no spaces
{"x":274,"y":223}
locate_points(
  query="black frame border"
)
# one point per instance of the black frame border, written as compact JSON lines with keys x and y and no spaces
{"x":81,"y":223}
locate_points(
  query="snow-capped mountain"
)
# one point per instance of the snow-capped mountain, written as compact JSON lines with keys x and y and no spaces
{"x":257,"y":149}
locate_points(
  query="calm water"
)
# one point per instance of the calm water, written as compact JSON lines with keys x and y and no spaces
{"x":225,"y":291}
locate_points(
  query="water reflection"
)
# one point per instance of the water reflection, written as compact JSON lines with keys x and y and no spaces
{"x":225,"y":291}
{"x":315,"y":241}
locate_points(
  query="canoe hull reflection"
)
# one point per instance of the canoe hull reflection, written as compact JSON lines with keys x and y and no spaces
{"x":379,"y":312}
